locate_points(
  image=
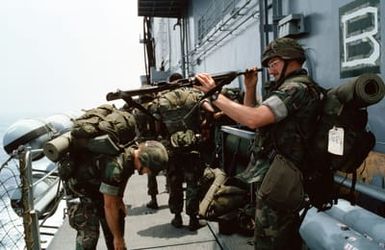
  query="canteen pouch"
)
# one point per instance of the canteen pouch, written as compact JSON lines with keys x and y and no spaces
{"x":282,"y":187}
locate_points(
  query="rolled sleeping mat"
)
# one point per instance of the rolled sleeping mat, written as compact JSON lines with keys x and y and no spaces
{"x":220,"y":179}
{"x":363,"y":91}
{"x":56,"y":148}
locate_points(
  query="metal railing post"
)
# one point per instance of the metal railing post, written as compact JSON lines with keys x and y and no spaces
{"x":30,"y":220}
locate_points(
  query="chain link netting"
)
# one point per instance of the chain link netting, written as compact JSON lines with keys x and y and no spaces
{"x":20,"y":225}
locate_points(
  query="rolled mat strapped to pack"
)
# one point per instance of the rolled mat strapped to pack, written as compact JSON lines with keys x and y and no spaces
{"x":220,"y":179}
{"x":365,"y":90}
{"x":57,"y":147}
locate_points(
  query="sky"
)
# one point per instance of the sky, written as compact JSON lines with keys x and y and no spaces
{"x":65,"y":55}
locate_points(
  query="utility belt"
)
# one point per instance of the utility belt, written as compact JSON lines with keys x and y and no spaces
{"x":84,"y":200}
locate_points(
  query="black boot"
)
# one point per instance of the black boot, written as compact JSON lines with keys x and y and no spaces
{"x":177,"y":221}
{"x":153,"y":204}
{"x":195,"y":223}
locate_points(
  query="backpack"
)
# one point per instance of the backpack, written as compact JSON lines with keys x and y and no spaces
{"x":328,"y":152}
{"x":119,"y":125}
{"x":177,"y":109}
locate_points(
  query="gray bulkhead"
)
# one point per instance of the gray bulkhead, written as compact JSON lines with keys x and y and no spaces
{"x":342,"y":39}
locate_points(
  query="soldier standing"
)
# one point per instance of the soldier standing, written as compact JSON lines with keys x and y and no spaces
{"x":149,"y":128}
{"x":182,"y":122}
{"x":284,"y":120}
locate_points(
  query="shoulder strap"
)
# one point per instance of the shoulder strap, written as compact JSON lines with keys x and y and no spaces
{"x":314,"y":86}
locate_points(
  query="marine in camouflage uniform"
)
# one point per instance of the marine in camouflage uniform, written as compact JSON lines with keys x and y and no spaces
{"x":171,"y":108}
{"x":96,"y":175}
{"x":97,"y":182}
{"x":284,"y":120}
{"x":147,"y":130}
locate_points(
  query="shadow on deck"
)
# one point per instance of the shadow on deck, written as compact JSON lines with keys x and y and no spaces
{"x":151,"y":229}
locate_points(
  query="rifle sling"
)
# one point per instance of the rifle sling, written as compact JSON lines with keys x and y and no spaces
{"x":129,"y":101}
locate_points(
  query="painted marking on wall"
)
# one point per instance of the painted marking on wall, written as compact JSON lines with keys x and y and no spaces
{"x":360,"y":38}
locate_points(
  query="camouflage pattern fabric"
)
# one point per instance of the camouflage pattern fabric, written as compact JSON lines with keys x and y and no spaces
{"x":93,"y":172}
{"x":184,"y":166}
{"x":116,"y":172}
{"x":185,"y":162}
{"x":294,"y":106}
{"x":105,"y":119}
{"x":276,"y":229}
{"x":173,"y":106}
{"x":152,"y":184}
{"x":153,"y":154}
{"x":285,"y":48}
{"x":86,"y":218}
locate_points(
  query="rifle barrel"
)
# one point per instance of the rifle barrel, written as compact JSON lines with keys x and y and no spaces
{"x":221,"y":78}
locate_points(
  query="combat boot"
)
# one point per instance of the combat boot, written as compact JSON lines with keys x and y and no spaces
{"x":177,"y":221}
{"x":195,"y":223}
{"x":153,"y":204}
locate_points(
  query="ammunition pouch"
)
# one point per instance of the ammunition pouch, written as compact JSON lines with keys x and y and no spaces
{"x":282,"y":186}
{"x":184,"y":140}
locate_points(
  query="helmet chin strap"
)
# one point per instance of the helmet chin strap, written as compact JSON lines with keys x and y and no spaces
{"x":283,"y":73}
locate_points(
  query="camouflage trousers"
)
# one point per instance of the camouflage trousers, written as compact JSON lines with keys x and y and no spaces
{"x":275,"y":230}
{"x":86,"y":218}
{"x":152,"y":184}
{"x":184,"y":167}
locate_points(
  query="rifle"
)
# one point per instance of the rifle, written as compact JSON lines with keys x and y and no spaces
{"x":221,"y":79}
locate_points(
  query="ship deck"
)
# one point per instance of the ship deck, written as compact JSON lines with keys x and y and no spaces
{"x":151,"y":229}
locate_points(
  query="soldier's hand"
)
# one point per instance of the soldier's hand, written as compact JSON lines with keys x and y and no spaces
{"x":206,"y":80}
{"x":251,"y":78}
{"x":119,"y":243}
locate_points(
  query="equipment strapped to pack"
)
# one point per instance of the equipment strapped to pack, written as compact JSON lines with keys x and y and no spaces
{"x":340,"y":141}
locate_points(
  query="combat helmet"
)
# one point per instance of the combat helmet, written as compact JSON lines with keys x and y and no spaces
{"x":285,"y":48}
{"x":153,"y":154}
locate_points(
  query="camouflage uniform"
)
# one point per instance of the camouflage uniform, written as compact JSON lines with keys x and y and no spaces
{"x":95,"y":175}
{"x":279,"y":229}
{"x":147,"y":130}
{"x":294,"y":104}
{"x":184,"y":166}
{"x":184,"y":163}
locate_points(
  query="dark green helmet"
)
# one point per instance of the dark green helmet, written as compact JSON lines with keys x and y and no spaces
{"x":153,"y":154}
{"x":285,"y":48}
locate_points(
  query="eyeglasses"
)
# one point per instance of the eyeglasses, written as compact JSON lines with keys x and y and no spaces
{"x":273,"y":64}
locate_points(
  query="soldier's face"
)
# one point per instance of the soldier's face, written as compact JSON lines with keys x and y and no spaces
{"x":144,"y":170}
{"x":140,"y":168}
{"x":275,"y":66}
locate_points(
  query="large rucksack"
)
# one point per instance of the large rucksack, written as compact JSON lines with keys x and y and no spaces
{"x":119,"y":125}
{"x":177,"y":109}
{"x":341,"y":141}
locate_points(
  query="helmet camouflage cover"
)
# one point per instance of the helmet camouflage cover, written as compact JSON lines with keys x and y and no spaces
{"x":285,"y":48}
{"x":153,"y":154}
